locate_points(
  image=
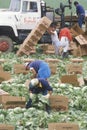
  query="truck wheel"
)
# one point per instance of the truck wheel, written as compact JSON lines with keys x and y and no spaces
{"x":6,"y":44}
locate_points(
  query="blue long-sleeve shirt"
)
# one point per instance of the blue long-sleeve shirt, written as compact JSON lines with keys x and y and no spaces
{"x":41,"y":67}
{"x":36,"y":65}
{"x":80,"y":10}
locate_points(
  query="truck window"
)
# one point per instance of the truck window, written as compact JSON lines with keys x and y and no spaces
{"x":15,"y":5}
{"x":29,"y":6}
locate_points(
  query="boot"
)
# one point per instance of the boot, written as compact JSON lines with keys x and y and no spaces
{"x":65,"y":55}
{"x":48,"y":109}
{"x":29,"y":104}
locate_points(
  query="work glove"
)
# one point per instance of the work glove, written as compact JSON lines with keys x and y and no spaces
{"x":31,"y":95}
{"x":47,"y":96}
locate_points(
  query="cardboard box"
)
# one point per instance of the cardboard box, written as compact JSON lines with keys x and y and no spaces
{"x":33,"y":38}
{"x":72,"y":45}
{"x":76,"y":30}
{"x":20,"y":53}
{"x":74,"y":68}
{"x":53,"y":68}
{"x":47,"y":49}
{"x":76,"y":52}
{"x":72,"y":79}
{"x":44,"y":47}
{"x":44,"y":22}
{"x":29,"y":41}
{"x":63,"y":126}
{"x":6,"y":127}
{"x":28,"y":60}
{"x":74,"y":49}
{"x":81,"y":40}
{"x":19,"y":68}
{"x":49,"y":52}
{"x":77,"y":60}
{"x":4,"y":76}
{"x":83,"y":50}
{"x":12,"y":101}
{"x":59,"y":102}
{"x":51,"y":47}
{"x":51,"y":60}
{"x":28,"y":47}
{"x":2,"y":92}
{"x":1,"y":68}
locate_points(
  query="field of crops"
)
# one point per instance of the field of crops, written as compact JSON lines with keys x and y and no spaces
{"x":36,"y":117}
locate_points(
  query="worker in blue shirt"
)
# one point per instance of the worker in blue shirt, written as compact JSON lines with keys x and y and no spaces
{"x":80,"y":12}
{"x":37,"y":86}
{"x":39,"y":69}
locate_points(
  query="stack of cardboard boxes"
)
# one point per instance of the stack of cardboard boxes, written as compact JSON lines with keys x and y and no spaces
{"x":32,"y":39}
{"x":74,"y":72}
{"x":79,"y":44}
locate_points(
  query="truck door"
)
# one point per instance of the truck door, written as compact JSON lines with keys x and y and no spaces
{"x":30,"y":14}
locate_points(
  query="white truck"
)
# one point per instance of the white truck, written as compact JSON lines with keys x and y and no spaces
{"x":17,"y":22}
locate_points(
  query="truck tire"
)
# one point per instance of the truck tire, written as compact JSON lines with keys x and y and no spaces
{"x":6,"y":44}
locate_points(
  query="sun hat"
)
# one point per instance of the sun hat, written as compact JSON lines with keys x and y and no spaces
{"x":34,"y":82}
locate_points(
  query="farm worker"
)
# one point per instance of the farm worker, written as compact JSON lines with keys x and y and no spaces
{"x":80,"y":13}
{"x":54,"y":37}
{"x":39,"y":69}
{"x":37,"y":86}
{"x":57,"y":43}
{"x":65,"y":38}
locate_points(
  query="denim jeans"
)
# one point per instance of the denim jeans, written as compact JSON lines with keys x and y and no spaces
{"x":81,"y":20}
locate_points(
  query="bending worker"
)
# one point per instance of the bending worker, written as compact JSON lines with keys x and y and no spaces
{"x":39,"y":69}
{"x":37,"y":86}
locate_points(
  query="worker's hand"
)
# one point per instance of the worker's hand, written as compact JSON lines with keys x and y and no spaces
{"x":47,"y":96}
{"x":31,"y":95}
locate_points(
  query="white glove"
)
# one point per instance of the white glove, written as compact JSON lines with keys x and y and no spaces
{"x":47,"y":96}
{"x":31,"y":95}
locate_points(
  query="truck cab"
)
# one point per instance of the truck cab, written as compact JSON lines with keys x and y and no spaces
{"x":18,"y":21}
